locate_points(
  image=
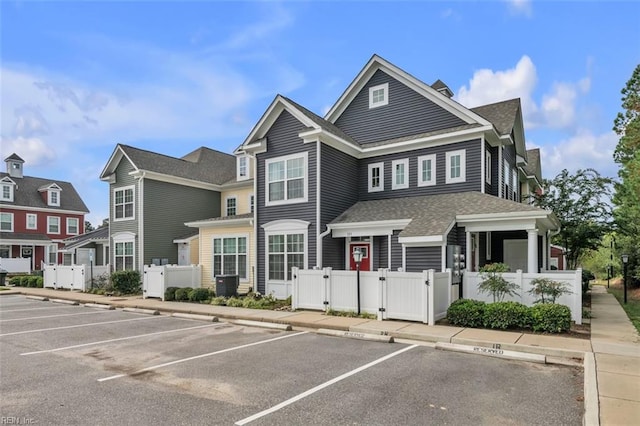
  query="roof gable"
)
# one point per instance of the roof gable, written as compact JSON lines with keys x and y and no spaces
{"x":28,"y":194}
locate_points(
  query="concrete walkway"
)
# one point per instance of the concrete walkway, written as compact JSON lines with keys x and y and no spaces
{"x":611,"y":357}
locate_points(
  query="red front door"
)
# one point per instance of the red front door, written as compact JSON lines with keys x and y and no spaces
{"x":365,"y":249}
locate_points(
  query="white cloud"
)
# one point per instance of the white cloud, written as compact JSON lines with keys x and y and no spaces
{"x":33,"y":151}
{"x":557,"y":107}
{"x":520,"y":7}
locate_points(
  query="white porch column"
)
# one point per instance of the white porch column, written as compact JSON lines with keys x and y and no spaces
{"x":545,"y":251}
{"x":468,"y":260}
{"x":532,"y":251}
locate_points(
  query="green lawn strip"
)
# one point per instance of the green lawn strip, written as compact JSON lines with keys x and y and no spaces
{"x":632,"y":308}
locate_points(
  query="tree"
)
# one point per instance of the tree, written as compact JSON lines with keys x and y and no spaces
{"x":627,"y":189}
{"x":581,"y":204}
{"x":88,"y":227}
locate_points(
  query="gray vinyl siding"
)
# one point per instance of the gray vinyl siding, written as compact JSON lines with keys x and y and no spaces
{"x":422,"y":258}
{"x":380,"y":252}
{"x":123,"y":179}
{"x":338,"y":183}
{"x":473,"y":157}
{"x":333,"y":252}
{"x":492,"y":188}
{"x":283,"y":139}
{"x":396,"y":252}
{"x":167,"y":206}
{"x":407,"y":113}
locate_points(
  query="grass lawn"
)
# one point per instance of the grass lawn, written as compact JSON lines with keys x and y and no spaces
{"x":632,"y":308}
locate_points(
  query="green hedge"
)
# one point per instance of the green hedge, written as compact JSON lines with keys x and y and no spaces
{"x":504,"y":315}
{"x":199,"y":294}
{"x":551,"y":318}
{"x":466,"y":313}
{"x":170,"y":294}
{"x":126,"y":282}
{"x":182,"y":294}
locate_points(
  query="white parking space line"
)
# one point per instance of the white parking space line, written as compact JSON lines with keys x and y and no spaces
{"x":79,"y":325}
{"x":178,"y":361}
{"x":50,"y":316}
{"x":320,"y":387}
{"x":32,"y":309}
{"x":122,"y":338}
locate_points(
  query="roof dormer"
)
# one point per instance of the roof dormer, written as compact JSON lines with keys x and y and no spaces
{"x":14,"y":165}
{"x":7,"y":189}
{"x":51,"y":194}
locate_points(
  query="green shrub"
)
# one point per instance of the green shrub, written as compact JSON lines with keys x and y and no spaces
{"x":39,"y":282}
{"x":504,"y":315}
{"x":199,"y":294}
{"x":170,"y":294}
{"x":551,"y":318}
{"x":587,"y":276}
{"x":182,"y":294}
{"x":32,"y":281}
{"x":126,"y":282}
{"x":15,"y":280}
{"x":494,"y":283}
{"x":220,"y":301}
{"x":235,"y":302}
{"x":548,"y":290}
{"x":24,"y":281}
{"x":466,"y":313}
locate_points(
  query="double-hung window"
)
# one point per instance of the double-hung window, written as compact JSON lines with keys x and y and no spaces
{"x":123,"y":203}
{"x":232,"y":206}
{"x":52,"y":254}
{"x":376,"y":177}
{"x":230,"y":256}
{"x":72,"y":226}
{"x":400,"y":178}
{"x":54,"y":197}
{"x":427,"y":170}
{"x":487,"y":167}
{"x":124,"y":256}
{"x":287,"y":179}
{"x":285,"y":251}
{"x":53,"y":224}
{"x":456,"y":166}
{"x":243,"y":167}
{"x":6,"y":222}
{"x":514,"y":184}
{"x":32,"y":221}
{"x":7,"y":192}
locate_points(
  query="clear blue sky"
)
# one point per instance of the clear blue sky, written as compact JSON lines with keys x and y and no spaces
{"x":79,"y":77}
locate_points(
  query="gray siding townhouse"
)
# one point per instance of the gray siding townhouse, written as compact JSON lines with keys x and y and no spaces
{"x":400,"y":170}
{"x":151,"y":196}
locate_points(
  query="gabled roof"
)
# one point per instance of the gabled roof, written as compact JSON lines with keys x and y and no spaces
{"x":501,"y":114}
{"x":533,"y":166}
{"x":101,"y":234}
{"x":26,"y":195}
{"x":49,"y":186}
{"x":433,"y":215}
{"x":202,"y":165}
{"x":14,"y":157}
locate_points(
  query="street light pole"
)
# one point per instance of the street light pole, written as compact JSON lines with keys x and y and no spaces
{"x":625,"y":260}
{"x":357,"y":258}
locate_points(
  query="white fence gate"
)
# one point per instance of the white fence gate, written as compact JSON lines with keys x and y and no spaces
{"x":156,"y":279}
{"x":415,"y":296}
{"x":70,"y":277}
{"x":573,"y":279}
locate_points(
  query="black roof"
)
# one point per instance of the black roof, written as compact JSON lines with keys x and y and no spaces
{"x":26,"y":194}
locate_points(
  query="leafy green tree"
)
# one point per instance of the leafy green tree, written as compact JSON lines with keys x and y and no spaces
{"x":494,"y":283}
{"x":627,"y":190}
{"x":581,"y":202}
{"x":599,"y":260}
{"x":88,"y":227}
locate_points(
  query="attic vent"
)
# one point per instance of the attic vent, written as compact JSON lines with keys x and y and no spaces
{"x":441,"y":87}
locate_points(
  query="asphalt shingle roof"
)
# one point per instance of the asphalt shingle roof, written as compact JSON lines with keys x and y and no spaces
{"x":532,"y":167}
{"x":225,"y":218}
{"x":501,"y":114}
{"x":5,"y":236}
{"x":203,"y":164}
{"x":430,"y":214}
{"x":26,"y":194}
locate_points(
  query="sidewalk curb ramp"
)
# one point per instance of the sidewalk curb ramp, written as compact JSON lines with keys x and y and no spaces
{"x":199,"y":317}
{"x":356,"y":335}
{"x":142,"y":311}
{"x":492,"y":352}
{"x":66,"y":302}
{"x":272,"y":325}
{"x":99,"y":306}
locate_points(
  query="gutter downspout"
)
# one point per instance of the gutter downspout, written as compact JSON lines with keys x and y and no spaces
{"x":319,"y":245}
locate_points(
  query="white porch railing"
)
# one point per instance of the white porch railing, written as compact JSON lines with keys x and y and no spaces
{"x":16,"y":265}
{"x":415,"y":296}
{"x":70,"y":277}
{"x":156,"y":279}
{"x":573,"y":279}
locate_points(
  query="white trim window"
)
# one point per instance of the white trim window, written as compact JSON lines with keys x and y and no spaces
{"x":243,"y":167}
{"x":53,"y":197}
{"x":231,"y":206}
{"x":230,"y":256}
{"x":375,"y":177}
{"x":124,"y":256}
{"x":427,"y":170}
{"x":123,"y":203}
{"x":286,"y":179}
{"x":52,"y":254}
{"x":284,"y":251}
{"x":252,"y":203}
{"x":73,"y":226}
{"x":6,"y":222}
{"x":514,"y":184}
{"x":487,"y":167}
{"x":53,"y":224}
{"x":456,"y":166}
{"x":5,"y":251}
{"x":379,"y":95}
{"x":7,"y":192}
{"x":506,"y":179}
{"x":400,"y":174}
{"x":32,"y":221}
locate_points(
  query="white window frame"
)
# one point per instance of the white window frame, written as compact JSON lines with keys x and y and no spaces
{"x":123,"y":189}
{"x":52,"y":249}
{"x":243,"y":170}
{"x":305,"y":179}
{"x":488,"y":248}
{"x":227,"y":208}
{"x":405,"y":174}
{"x":385,"y":94}
{"x":285,"y":227}
{"x":69,"y":220}
{"x":463,"y":168}
{"x":371,"y":167}
{"x":124,"y":256}
{"x":5,"y":248}
{"x":49,"y":231}
{"x":421,"y":159}
{"x":34,"y":217}
{"x":506,"y":179}
{"x":236,"y":254}
{"x":4,"y":186}
{"x":53,"y":197}
{"x":514,"y":184}
{"x":487,"y":167}
{"x":252,"y":203}
{"x":11,"y":221}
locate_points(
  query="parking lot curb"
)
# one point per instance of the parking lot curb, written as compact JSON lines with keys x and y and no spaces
{"x":356,"y":335}
{"x":493,"y":352}
{"x":142,"y":311}
{"x":195,"y":317}
{"x":272,"y":325}
{"x":66,"y":302}
{"x":40,"y":298}
{"x":100,"y":306}
{"x":591,"y":400}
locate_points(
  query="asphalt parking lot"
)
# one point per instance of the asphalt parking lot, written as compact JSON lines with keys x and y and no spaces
{"x":62,"y":364}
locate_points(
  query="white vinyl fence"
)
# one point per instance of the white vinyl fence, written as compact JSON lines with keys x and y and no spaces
{"x":414,"y":296}
{"x":70,"y":277}
{"x":573,"y":280}
{"x":16,"y":265}
{"x":156,"y":279}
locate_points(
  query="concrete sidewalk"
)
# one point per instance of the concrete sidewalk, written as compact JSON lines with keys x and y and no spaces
{"x":611,"y":357}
